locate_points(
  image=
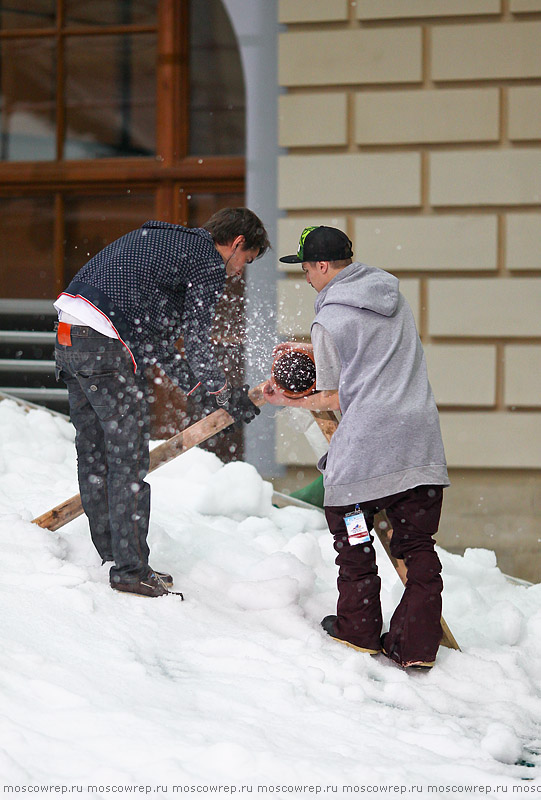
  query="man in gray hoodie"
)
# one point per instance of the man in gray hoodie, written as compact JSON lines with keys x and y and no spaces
{"x":387,"y":452}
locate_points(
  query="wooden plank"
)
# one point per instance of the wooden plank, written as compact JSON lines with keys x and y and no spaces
{"x":328,"y":423}
{"x":192,"y":436}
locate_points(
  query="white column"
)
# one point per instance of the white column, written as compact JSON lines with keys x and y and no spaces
{"x":255,"y":23}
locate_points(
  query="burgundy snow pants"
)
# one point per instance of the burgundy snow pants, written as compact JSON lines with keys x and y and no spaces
{"x":415,"y":630}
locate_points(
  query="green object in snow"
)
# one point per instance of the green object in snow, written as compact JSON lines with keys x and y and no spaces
{"x":313,"y":493}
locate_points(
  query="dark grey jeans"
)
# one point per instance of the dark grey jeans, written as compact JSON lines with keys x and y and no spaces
{"x":109,"y":409}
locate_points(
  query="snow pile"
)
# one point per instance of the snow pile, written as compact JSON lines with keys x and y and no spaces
{"x":238,"y":684}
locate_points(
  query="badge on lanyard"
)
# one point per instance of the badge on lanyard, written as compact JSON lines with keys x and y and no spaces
{"x":356,"y":527}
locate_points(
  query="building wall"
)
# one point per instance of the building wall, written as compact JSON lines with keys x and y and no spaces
{"x":415,"y":125}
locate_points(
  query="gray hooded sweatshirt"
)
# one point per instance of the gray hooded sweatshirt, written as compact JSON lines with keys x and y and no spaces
{"x":389,"y":438}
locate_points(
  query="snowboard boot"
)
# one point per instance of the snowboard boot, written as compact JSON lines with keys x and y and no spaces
{"x":328,"y":624}
{"x":415,"y":665}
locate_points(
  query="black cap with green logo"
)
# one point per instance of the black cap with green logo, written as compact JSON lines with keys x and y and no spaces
{"x":321,"y":243}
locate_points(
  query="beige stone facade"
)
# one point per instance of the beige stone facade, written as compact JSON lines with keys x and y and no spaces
{"x":415,"y":125}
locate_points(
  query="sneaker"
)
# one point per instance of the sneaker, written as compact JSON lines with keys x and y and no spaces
{"x":165,"y":578}
{"x":416,"y":665}
{"x":328,"y":625}
{"x":150,"y":586}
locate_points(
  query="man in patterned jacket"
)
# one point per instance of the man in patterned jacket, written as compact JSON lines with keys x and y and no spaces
{"x":123,"y":312}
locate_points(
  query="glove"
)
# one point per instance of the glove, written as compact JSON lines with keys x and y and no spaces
{"x":235,"y":400}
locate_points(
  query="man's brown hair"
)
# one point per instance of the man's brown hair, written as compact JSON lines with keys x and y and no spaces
{"x":228,"y":223}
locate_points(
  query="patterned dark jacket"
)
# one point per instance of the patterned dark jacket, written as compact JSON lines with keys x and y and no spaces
{"x":156,"y":284}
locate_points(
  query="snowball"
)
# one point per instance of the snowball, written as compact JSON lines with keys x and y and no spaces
{"x":279,"y":565}
{"x":237,"y":490}
{"x":306,"y":547}
{"x":227,"y":756}
{"x":297,"y":520}
{"x":258,"y":595}
{"x":504,"y":623}
{"x":502,"y":743}
{"x":480,"y":557}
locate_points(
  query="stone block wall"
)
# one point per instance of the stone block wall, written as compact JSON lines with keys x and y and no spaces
{"x":415,"y":126}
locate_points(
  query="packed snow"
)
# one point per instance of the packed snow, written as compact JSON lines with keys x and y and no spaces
{"x":237,"y":689}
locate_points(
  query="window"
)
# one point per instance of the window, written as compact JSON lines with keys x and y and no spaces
{"x":111,"y":112}
{"x":28,"y":99}
{"x":217,"y":110}
{"x":27,"y":242}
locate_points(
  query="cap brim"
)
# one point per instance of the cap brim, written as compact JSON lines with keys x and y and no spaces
{"x":291,"y":259}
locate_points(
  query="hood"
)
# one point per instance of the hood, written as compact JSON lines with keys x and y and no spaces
{"x":361,"y":286}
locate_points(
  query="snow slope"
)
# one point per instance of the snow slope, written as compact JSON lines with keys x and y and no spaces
{"x":238,"y":686}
